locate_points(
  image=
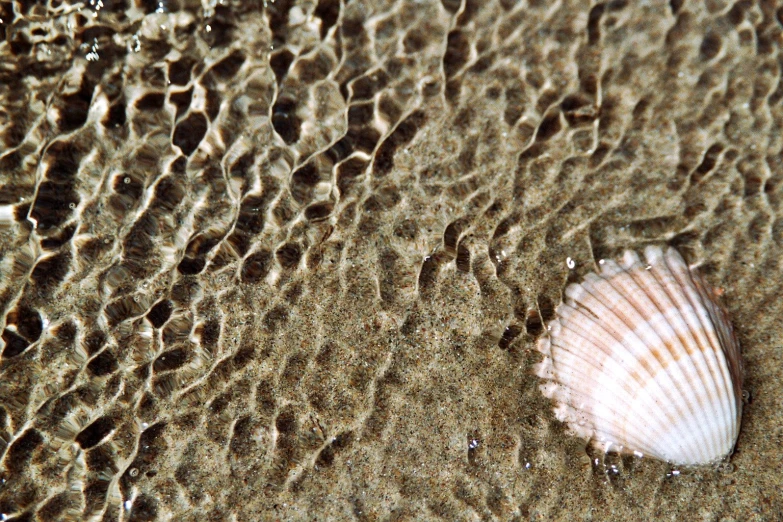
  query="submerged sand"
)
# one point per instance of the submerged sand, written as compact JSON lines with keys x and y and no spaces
{"x":288,"y":260}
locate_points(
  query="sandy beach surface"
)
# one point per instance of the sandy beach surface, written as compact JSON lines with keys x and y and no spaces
{"x":289,"y":259}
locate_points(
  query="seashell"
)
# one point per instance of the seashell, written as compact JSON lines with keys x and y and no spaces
{"x":642,"y":359}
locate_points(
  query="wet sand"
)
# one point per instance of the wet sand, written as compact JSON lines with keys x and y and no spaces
{"x":288,"y":260}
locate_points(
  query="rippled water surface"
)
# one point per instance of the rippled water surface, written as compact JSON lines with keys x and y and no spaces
{"x":288,"y":260}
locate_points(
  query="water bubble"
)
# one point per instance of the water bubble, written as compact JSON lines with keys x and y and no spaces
{"x":725,"y":468}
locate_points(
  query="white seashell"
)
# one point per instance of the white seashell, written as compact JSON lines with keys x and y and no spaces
{"x":641,"y":359}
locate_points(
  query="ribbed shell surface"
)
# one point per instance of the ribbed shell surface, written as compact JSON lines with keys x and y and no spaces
{"x":641,"y":358}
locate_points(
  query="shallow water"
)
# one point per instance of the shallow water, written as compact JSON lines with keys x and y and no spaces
{"x":288,"y":260}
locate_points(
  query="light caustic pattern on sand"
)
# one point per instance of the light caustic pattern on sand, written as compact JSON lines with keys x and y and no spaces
{"x":292,"y":257}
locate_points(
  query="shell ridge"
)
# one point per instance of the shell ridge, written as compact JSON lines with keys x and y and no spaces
{"x":610,"y":430}
{"x":559,"y":343}
{"x":730,"y":344}
{"x":669,"y":410}
{"x":717,"y":359}
{"x":702,"y":330}
{"x":729,"y":361}
{"x":571,"y":401}
{"x":674,"y":277}
{"x":601,"y":338}
{"x":631,"y":309}
{"x":697,"y":295}
{"x":587,"y":369}
{"x":582,"y":369}
{"x":641,"y":356}
{"x":661,"y":297}
{"x":574,"y":395}
{"x":593,"y":336}
{"x":644,"y":293}
{"x":632,"y":316}
{"x":730,"y":357}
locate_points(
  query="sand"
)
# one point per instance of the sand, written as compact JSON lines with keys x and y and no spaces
{"x":288,"y":260}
